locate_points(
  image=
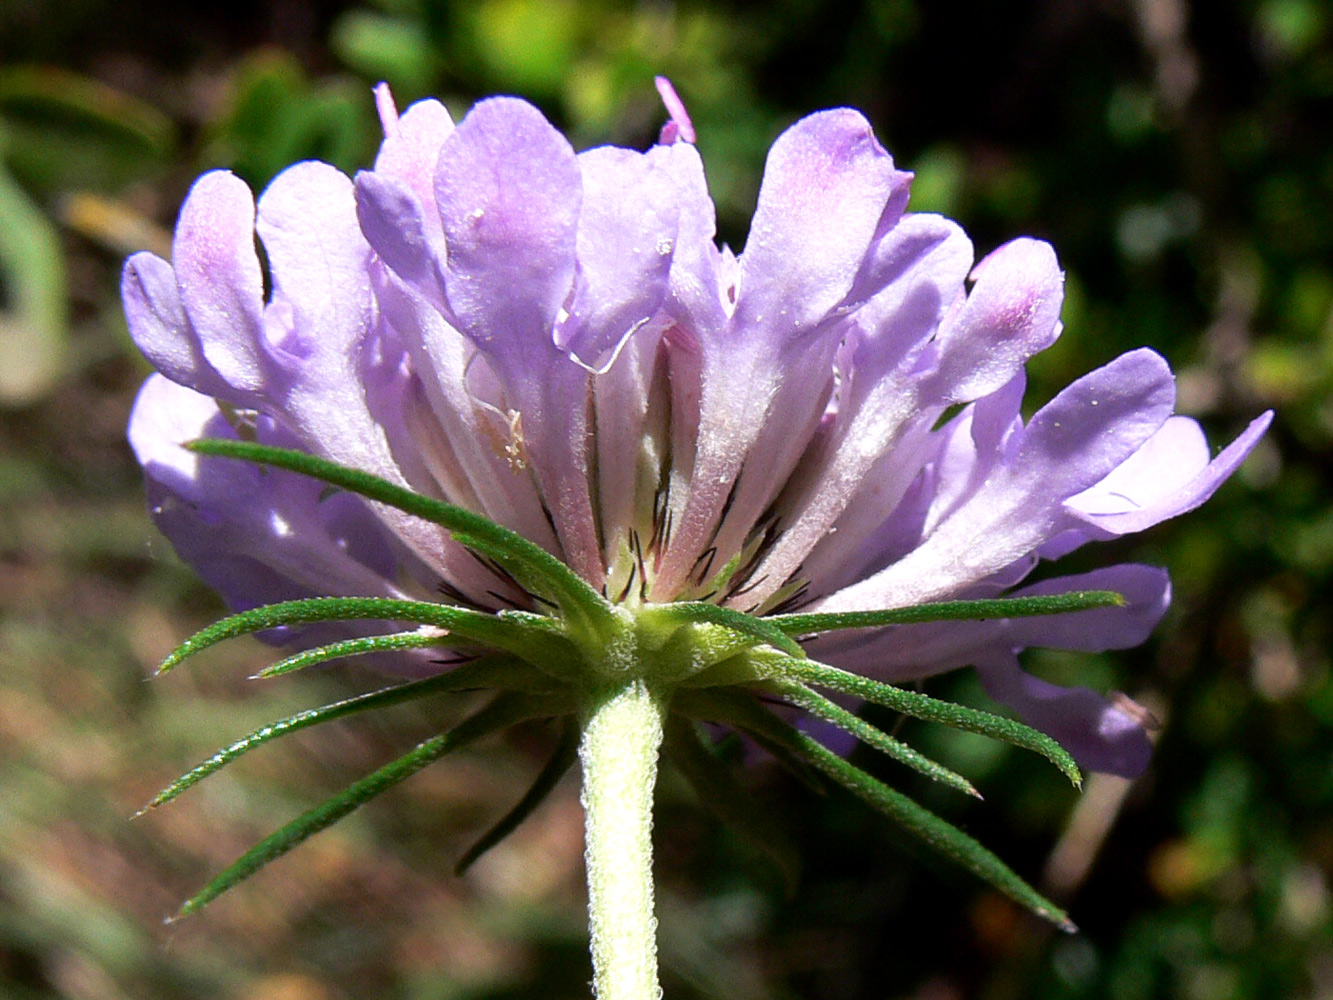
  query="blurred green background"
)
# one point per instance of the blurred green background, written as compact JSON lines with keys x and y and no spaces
{"x":1180,"y":157}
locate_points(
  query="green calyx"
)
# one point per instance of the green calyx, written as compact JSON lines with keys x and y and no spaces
{"x":700,"y":662}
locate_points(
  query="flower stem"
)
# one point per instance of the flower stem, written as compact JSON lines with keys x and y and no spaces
{"x":622,"y":733}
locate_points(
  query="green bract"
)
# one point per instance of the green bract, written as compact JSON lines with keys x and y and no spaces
{"x":691,"y":662}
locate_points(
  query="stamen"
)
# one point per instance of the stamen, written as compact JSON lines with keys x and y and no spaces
{"x":731,"y":499}
{"x":629,"y":583}
{"x":707,"y":557}
{"x":749,"y":586}
{"x":507,"y":600}
{"x":456,"y":660}
{"x":505,"y":577}
{"x":680,"y":125}
{"x":792,"y":601}
{"x":388,"y":112}
{"x":455,"y":595}
{"x":639,"y":560}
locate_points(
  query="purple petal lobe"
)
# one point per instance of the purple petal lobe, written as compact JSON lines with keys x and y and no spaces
{"x":1097,"y":422}
{"x":410,"y":151}
{"x":626,"y":238}
{"x":915,"y":273}
{"x":1072,"y":442}
{"x":696,"y":294}
{"x":1013,"y":312}
{"x":1168,"y":476}
{"x":827,"y":185}
{"x":160,"y":327}
{"x":509,"y":192}
{"x":220,"y":283}
{"x":392,"y":221}
{"x":1147,"y":594}
{"x":1099,"y":734}
{"x":307,"y":220}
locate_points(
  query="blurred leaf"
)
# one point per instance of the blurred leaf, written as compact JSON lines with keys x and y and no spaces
{"x":1282,"y":372}
{"x":67,"y":131}
{"x":566,"y":753}
{"x":531,"y":44}
{"x":1290,"y":28}
{"x":1129,"y":113}
{"x":941,"y":175}
{"x":716,"y":784}
{"x":387,"y":48}
{"x":32,"y":274}
{"x":276,"y":117}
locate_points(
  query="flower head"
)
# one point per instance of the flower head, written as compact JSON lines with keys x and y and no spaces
{"x":827,"y":423}
{"x":553,"y":339}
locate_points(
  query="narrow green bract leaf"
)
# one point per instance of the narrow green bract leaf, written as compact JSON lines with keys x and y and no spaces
{"x":534,"y":637}
{"x":922,"y":706}
{"x":744,"y":713}
{"x":718,"y":789}
{"x":557,"y":581}
{"x":493,"y":672}
{"x":1004,"y":607}
{"x":822,"y":708}
{"x":942,"y":836}
{"x":702,"y":705}
{"x":352,"y":647}
{"x":701,"y":612}
{"x":500,"y":714}
{"x":566,"y":752}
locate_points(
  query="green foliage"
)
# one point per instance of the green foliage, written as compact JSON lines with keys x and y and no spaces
{"x":661,"y":649}
{"x":718,"y":789}
{"x":502,"y":713}
{"x":60,"y":132}
{"x":745,"y":714}
{"x":490,"y":672}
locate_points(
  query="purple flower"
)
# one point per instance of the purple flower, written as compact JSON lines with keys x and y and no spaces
{"x":554,"y":339}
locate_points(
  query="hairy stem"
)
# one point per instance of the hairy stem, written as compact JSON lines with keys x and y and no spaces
{"x":622,"y":733}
